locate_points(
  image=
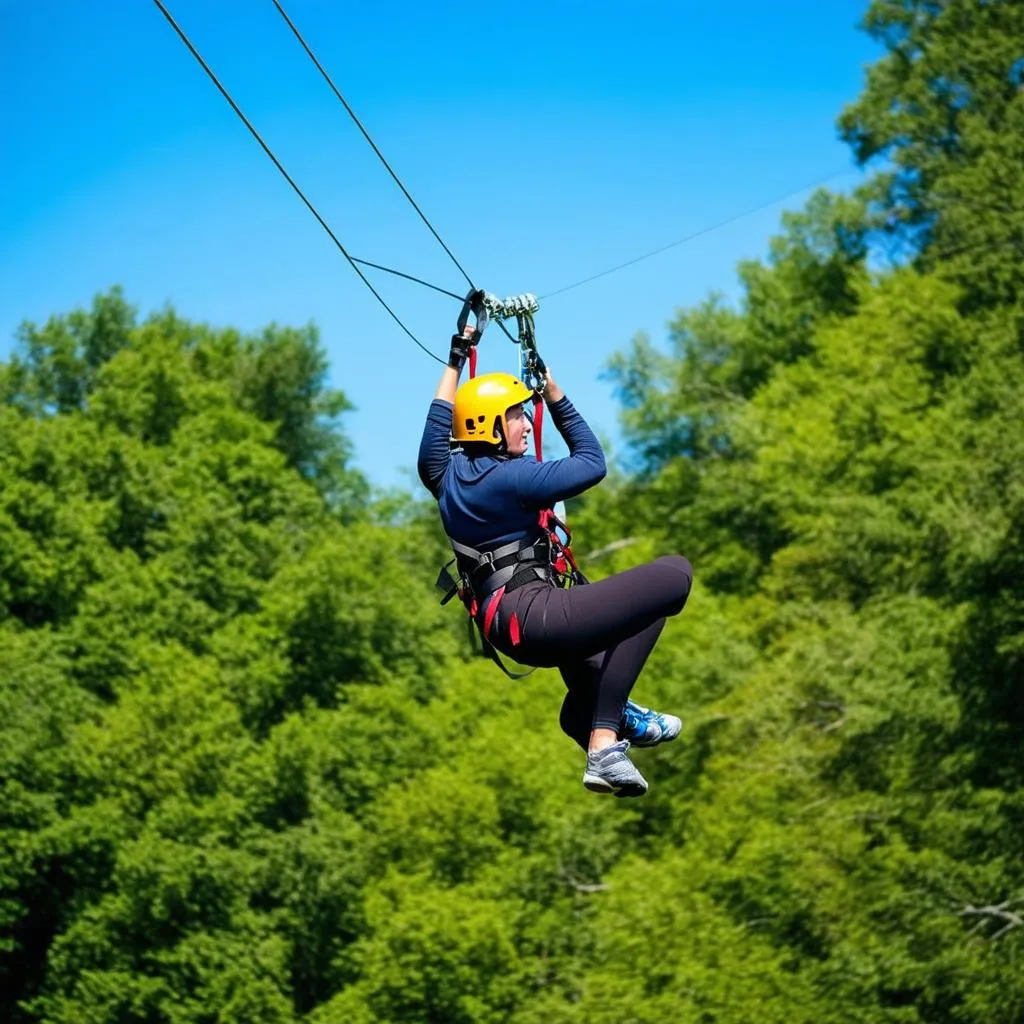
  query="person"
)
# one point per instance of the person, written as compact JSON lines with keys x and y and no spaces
{"x":599,"y":635}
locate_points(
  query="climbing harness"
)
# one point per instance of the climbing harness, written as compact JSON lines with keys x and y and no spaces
{"x":485,"y":577}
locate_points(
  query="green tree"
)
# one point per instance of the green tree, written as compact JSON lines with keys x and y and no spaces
{"x":945,"y":109}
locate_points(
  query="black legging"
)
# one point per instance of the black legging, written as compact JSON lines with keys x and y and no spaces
{"x":598,"y":635}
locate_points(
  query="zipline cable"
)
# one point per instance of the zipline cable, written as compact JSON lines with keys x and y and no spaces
{"x":380,"y":156}
{"x":703,"y":231}
{"x":366,"y":135}
{"x":298,"y":191}
{"x":354,"y":260}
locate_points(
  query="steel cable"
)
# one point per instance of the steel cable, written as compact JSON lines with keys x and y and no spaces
{"x":698,"y":234}
{"x":373,"y":145}
{"x":298,"y":191}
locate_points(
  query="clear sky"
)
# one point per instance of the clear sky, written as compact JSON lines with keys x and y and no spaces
{"x":545,"y":141}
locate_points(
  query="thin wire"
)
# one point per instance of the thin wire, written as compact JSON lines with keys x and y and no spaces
{"x":366,"y":135}
{"x":698,"y":234}
{"x":436,"y":288}
{"x":277,"y":163}
{"x":408,"y":277}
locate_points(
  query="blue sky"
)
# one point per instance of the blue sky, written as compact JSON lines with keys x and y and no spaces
{"x":545,"y":141}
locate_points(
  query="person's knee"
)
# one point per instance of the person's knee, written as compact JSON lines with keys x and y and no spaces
{"x":682,"y":580}
{"x":679,"y":563}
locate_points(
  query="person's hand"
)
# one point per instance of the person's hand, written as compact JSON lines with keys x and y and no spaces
{"x":461,"y":344}
{"x":551,"y":392}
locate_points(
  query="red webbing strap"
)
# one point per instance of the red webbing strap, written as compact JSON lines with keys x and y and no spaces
{"x":549,"y":523}
{"x":492,"y":609}
{"x":489,"y":648}
{"x":538,"y":424}
{"x":472,"y":361}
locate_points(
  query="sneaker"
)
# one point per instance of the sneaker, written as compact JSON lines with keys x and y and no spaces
{"x":611,"y":771}
{"x":646,"y":728}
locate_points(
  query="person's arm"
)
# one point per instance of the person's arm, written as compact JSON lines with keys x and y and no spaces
{"x":447,"y":386}
{"x":435,"y":453}
{"x":552,"y":393}
{"x":541,"y":484}
{"x":457,"y":356}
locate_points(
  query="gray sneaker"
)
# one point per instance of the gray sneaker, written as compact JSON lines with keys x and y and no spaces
{"x":611,"y":771}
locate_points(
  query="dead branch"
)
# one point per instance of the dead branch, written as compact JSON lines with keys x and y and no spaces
{"x":573,"y":882}
{"x":608,"y":549}
{"x":994,"y":912}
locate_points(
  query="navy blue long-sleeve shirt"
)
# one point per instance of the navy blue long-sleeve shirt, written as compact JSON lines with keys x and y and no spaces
{"x":488,"y":501}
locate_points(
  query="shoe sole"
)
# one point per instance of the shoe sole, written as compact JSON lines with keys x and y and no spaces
{"x":596,"y":784}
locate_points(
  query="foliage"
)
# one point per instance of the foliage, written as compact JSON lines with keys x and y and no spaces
{"x":946,"y":107}
{"x":249,"y":772}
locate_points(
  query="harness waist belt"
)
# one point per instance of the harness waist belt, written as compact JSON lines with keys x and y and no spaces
{"x":510,"y":566}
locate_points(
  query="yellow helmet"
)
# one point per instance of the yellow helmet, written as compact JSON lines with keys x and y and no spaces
{"x":481,"y":404}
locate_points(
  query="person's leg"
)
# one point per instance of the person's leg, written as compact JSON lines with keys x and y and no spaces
{"x":609,"y":769}
{"x":581,"y":679}
{"x":620,"y":669}
{"x":600,"y":634}
{"x":558,"y":626}
{"x":597,"y":688}
{"x":547,"y":626}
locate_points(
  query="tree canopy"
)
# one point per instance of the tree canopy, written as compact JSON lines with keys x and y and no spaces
{"x":251,"y":772}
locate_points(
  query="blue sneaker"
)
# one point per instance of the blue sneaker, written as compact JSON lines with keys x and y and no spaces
{"x":646,"y":728}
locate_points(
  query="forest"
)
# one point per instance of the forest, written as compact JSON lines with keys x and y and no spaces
{"x":251,"y":771}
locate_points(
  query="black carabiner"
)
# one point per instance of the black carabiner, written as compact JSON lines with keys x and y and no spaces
{"x":474,"y":303}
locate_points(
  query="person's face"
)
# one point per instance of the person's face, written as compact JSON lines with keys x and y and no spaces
{"x":519,"y":428}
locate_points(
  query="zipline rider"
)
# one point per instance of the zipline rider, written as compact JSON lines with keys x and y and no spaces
{"x":494,"y":499}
